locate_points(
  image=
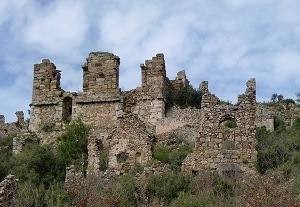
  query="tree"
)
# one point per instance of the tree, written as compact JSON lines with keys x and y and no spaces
{"x":279,"y":97}
{"x":298,"y":97}
{"x":274,"y":97}
{"x":72,"y":147}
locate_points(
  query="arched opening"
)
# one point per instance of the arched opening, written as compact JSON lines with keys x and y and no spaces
{"x":138,"y":158}
{"x":227,"y":125}
{"x":228,"y":121}
{"x":67,"y":110}
{"x":122,"y":157}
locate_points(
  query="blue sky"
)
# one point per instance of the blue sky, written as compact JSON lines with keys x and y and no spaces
{"x":225,"y":42}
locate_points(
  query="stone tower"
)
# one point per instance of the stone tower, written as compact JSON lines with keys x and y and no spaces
{"x":46,"y":83}
{"x":46,"y":97}
{"x":154,"y":77}
{"x":101,"y":73}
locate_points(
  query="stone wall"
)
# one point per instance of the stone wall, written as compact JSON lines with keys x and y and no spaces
{"x":130,"y":144}
{"x":177,"y":117}
{"x":8,"y":192}
{"x":264,"y":117}
{"x":14,"y":128}
{"x":219,"y":144}
{"x":46,"y":83}
{"x":101,"y":73}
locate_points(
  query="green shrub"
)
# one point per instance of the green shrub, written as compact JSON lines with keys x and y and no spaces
{"x":279,"y":124}
{"x":30,"y":194}
{"x":72,"y":147}
{"x":38,"y":164}
{"x":277,"y":148}
{"x":172,"y":154}
{"x":6,"y":151}
{"x":103,"y":159}
{"x":161,"y":152}
{"x":167,"y":187}
{"x":187,"y":96}
{"x":230,"y":124}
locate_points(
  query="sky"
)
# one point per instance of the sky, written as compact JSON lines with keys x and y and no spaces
{"x":225,"y":42}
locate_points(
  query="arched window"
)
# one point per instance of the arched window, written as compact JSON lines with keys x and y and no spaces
{"x":67,"y":110}
{"x":228,"y":121}
{"x":138,"y":158}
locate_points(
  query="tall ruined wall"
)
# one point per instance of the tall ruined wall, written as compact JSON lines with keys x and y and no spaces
{"x":220,"y":147}
{"x":47,"y":96}
{"x":101,"y":74}
{"x":149,"y":100}
{"x":46,"y":83}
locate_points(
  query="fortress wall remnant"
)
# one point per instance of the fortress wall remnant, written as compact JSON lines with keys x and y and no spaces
{"x":101,"y":73}
{"x":47,"y":95}
{"x":264,"y":117}
{"x":177,"y":117}
{"x":46,"y":83}
{"x":14,"y":128}
{"x":149,"y":101}
{"x":220,"y":146}
{"x":130,"y":144}
{"x":180,"y":82}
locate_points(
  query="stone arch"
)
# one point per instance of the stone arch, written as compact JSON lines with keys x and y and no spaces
{"x":67,"y":109}
{"x":227,"y":120}
{"x":138,"y":158}
{"x":227,"y":125}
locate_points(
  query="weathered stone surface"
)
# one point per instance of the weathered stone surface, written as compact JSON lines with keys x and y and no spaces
{"x":8,"y":191}
{"x":217,"y":143}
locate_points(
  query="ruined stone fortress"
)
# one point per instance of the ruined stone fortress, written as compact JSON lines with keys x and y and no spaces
{"x":127,"y":122}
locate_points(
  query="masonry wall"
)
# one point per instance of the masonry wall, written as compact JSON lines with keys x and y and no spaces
{"x":14,"y":128}
{"x":211,"y":150}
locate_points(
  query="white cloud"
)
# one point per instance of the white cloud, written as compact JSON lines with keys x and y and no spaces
{"x":58,"y":28}
{"x":224,"y":42}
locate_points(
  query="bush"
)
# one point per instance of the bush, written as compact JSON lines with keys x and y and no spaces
{"x":167,"y":187}
{"x":38,"y":164}
{"x":6,"y":152}
{"x":30,"y":194}
{"x":172,"y":154}
{"x":72,"y":147}
{"x":187,"y":96}
{"x":161,"y":152}
{"x":279,"y":124}
{"x":281,"y":147}
{"x":103,"y":159}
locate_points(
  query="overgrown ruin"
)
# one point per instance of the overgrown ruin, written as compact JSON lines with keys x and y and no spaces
{"x":126,"y":122}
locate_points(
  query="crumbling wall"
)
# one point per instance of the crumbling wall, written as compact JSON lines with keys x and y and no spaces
{"x":129,"y":143}
{"x":264,"y":117}
{"x":14,"y":128}
{"x":47,"y":97}
{"x":220,"y":145}
{"x":101,"y":74}
{"x":177,"y":117}
{"x":149,"y":101}
{"x":8,"y":191}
